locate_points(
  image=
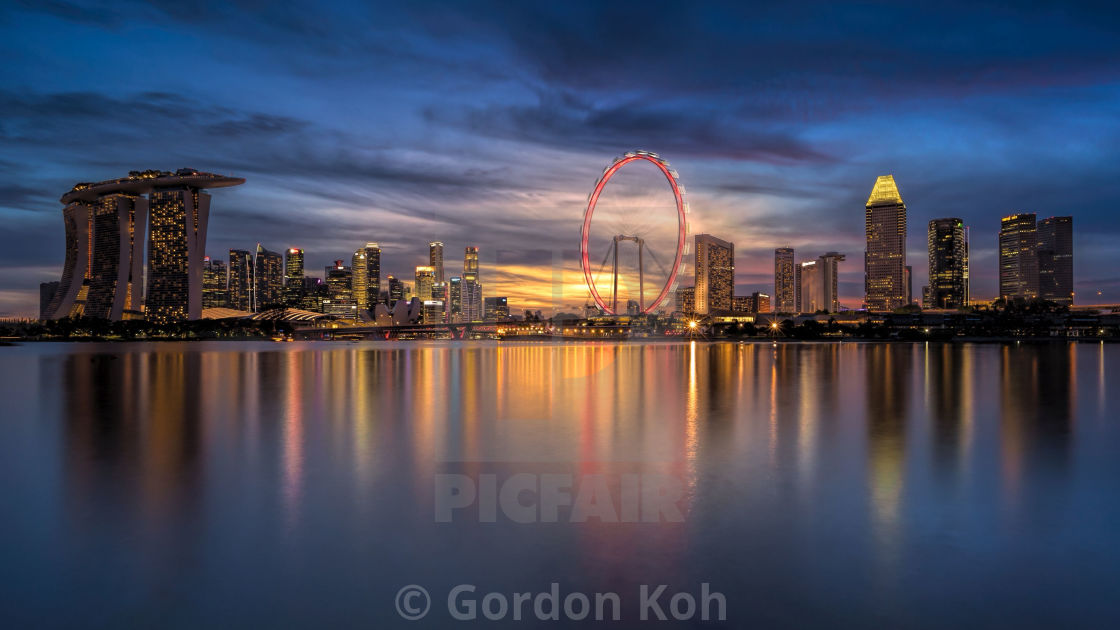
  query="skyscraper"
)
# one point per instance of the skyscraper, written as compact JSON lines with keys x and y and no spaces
{"x":340,"y":288}
{"x":435,"y":259}
{"x":472,"y":301}
{"x":948,"y":263}
{"x":472,"y":287}
{"x":293,"y":277}
{"x":359,"y":279}
{"x":268,"y":274}
{"x":425,"y":279}
{"x":176,"y":247}
{"x":885,"y":258}
{"x":214,"y":279}
{"x":455,"y":299}
{"x":1055,"y":260}
{"x":396,"y":290}
{"x":373,"y":275}
{"x":1018,"y":256}
{"x":811,"y":288}
{"x":829,"y":265}
{"x":760,"y":302}
{"x":784,"y":293}
{"x":77,"y":216}
{"x":115,"y":279}
{"x":470,"y":264}
{"x":715,"y":274}
{"x":177,"y":212}
{"x":686,"y":300}
{"x":497,"y":309}
{"x":240,"y":286}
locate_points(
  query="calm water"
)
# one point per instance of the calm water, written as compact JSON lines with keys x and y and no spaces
{"x":243,"y":484}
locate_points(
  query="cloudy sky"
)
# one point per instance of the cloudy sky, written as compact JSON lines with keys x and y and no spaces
{"x":487,"y":124}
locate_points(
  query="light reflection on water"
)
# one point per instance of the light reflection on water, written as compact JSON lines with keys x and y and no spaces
{"x":917,"y":484}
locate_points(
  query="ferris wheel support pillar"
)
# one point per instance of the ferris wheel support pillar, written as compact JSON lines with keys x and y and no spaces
{"x":641,"y":277}
{"x":614,"y":290}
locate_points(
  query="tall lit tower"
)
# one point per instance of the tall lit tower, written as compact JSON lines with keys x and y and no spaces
{"x":885,"y":258}
{"x":177,"y":210}
{"x":373,"y":275}
{"x":115,"y":279}
{"x":359,"y":278}
{"x":715,"y":274}
{"x":240,"y":287}
{"x":425,"y":279}
{"x":180,"y":212}
{"x":470,"y":264}
{"x":948,"y":263}
{"x":829,"y":265}
{"x":783,"y":281}
{"x":268,"y":273}
{"x":1018,"y":256}
{"x":471,"y":288}
{"x":214,"y":280}
{"x":1055,"y":260}
{"x":293,"y":277}
{"x":435,"y":259}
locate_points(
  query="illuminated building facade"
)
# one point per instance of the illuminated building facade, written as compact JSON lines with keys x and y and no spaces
{"x":268,"y":273}
{"x":373,"y":275}
{"x":715,"y":274}
{"x":1055,"y":260}
{"x":1018,"y":256}
{"x":471,"y":294}
{"x":470,"y":264}
{"x":115,"y":278}
{"x":455,"y":299}
{"x":396,"y":290}
{"x":686,"y":300}
{"x":830,"y":281}
{"x":810,"y":287}
{"x":240,"y":287}
{"x":177,"y":242}
{"x":435,"y":259}
{"x":784,"y":292}
{"x":948,"y":264}
{"x":425,"y":279}
{"x":340,"y":302}
{"x":174,"y":216}
{"x":69,"y":299}
{"x":472,"y":301}
{"x":760,"y":302}
{"x":359,"y":279}
{"x":496,"y":309}
{"x":434,"y":312}
{"x":214,"y":279}
{"x":293,"y":277}
{"x":885,"y":257}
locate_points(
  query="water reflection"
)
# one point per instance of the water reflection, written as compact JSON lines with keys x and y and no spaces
{"x":833,"y":472}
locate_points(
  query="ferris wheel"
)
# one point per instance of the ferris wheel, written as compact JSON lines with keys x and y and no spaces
{"x":641,"y":212}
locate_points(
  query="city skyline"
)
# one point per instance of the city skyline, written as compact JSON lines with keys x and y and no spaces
{"x":770,"y":159}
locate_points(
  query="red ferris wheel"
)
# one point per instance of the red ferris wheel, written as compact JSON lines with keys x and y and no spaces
{"x":641,"y":241}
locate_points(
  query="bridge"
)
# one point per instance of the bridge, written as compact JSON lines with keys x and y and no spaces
{"x":461,"y":330}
